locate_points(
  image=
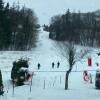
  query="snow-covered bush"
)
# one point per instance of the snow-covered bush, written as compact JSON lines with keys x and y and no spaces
{"x":16,"y":73}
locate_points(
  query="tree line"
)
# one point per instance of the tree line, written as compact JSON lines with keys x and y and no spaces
{"x":81,"y":28}
{"x":18,"y":27}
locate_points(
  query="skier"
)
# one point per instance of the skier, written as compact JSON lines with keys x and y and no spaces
{"x":58,"y":64}
{"x":38,"y":66}
{"x":53,"y":64}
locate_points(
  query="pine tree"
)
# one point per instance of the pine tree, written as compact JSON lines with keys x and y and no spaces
{"x":1,"y":84}
{"x":7,"y":27}
{"x":1,"y":4}
{"x":1,"y":11}
{"x":1,"y":22}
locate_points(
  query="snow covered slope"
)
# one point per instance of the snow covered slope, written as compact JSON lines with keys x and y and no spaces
{"x":50,"y":85}
{"x":47,"y":85}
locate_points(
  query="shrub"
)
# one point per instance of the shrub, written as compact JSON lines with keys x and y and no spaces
{"x":16,"y":73}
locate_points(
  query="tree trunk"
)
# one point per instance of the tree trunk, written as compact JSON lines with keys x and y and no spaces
{"x":66,"y":80}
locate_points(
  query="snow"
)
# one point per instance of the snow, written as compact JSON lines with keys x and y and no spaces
{"x":48,"y":83}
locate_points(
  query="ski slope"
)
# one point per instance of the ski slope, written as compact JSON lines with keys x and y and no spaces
{"x":49,"y":84}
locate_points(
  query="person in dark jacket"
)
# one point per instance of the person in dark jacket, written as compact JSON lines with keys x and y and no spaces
{"x":38,"y":66}
{"x":53,"y":64}
{"x":58,"y":64}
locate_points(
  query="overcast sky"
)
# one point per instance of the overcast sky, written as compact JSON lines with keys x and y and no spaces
{"x":47,"y":8}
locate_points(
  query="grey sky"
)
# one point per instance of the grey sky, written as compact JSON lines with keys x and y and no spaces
{"x":47,"y":8}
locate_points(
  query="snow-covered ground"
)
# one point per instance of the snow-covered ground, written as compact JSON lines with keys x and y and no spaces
{"x":45,"y":53}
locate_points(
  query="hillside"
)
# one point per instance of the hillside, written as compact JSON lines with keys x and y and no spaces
{"x":48,"y":83}
{"x":45,"y":53}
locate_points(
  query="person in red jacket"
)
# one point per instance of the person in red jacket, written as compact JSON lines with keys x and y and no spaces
{"x":85,"y":76}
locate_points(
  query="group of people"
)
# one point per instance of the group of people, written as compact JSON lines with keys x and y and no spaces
{"x":53,"y":65}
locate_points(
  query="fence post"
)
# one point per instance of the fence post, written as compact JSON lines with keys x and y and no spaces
{"x":54,"y":80}
{"x":44,"y":85}
{"x":13,"y":92}
{"x":60,"y":79}
{"x":30,"y":88}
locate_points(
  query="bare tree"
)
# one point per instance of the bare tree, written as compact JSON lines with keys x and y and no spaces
{"x":68,"y":50}
{"x":71,"y":59}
